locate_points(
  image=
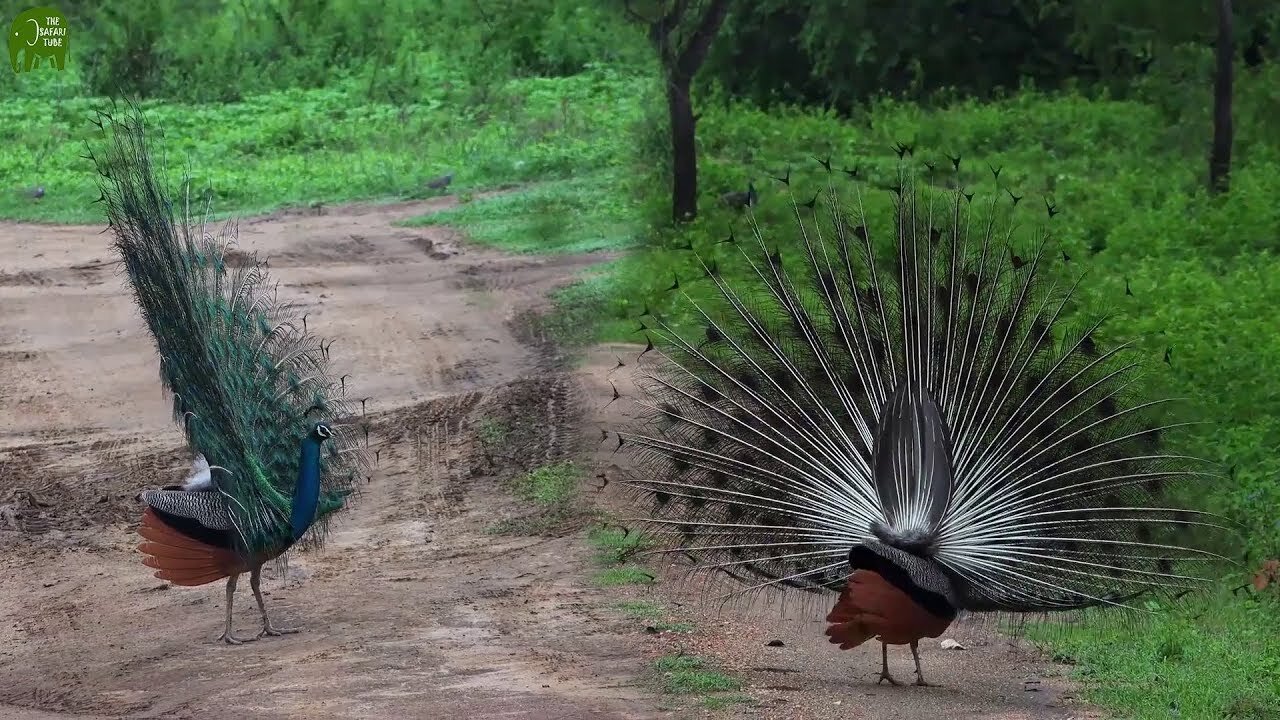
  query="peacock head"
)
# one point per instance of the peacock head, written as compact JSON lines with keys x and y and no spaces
{"x":321,"y":432}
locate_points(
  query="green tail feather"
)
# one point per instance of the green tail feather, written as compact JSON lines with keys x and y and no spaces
{"x":247,"y":378}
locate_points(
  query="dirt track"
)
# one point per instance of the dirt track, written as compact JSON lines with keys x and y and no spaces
{"x":414,"y":609}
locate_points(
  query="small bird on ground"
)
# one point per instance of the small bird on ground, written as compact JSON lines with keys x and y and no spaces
{"x":922,"y":435}
{"x":251,"y":389}
{"x":739,"y":200}
{"x":440,"y":183}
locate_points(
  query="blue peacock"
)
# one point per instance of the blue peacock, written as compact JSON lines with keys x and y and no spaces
{"x":275,"y":455}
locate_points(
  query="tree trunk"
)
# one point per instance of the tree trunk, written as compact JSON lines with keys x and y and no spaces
{"x":684,"y":154}
{"x":680,"y":63}
{"x":1220,"y":156}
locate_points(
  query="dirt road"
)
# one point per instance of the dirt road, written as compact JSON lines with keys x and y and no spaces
{"x":415,"y":608}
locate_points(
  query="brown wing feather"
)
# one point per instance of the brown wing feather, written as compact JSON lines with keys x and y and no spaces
{"x":871,"y":607}
{"x":180,"y":559}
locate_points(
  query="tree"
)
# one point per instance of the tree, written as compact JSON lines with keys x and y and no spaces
{"x":1162,"y":24}
{"x":1220,"y":155}
{"x":681,"y":31}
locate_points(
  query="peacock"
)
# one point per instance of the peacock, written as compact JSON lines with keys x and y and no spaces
{"x":275,"y":455}
{"x":741,"y":199}
{"x":921,"y":433}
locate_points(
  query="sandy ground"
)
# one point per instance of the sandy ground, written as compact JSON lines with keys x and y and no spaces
{"x":414,"y":608}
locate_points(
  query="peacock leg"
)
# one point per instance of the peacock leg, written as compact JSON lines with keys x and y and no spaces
{"x":229,"y":637}
{"x":255,"y":582}
{"x":915,"y":653}
{"x":884,"y":666}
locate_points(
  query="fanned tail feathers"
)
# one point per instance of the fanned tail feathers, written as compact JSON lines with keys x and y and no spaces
{"x":248,"y":379}
{"x":939,"y":403}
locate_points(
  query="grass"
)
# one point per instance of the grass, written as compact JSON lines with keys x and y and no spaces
{"x":1219,"y":657}
{"x":492,"y":433}
{"x":615,"y":545}
{"x":691,"y":675}
{"x":654,"y":615}
{"x":641,"y":609}
{"x":296,"y":147}
{"x":578,"y":215}
{"x":550,"y":486}
{"x":628,"y":575}
{"x":551,"y":489}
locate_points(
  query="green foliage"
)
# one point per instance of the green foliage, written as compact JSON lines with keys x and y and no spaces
{"x":550,"y":485}
{"x":1218,"y":657}
{"x":641,"y":609}
{"x":841,"y":53}
{"x":399,"y":52}
{"x":902,"y":47}
{"x":654,"y":615}
{"x":686,"y":674}
{"x":1146,"y":28}
{"x":828,"y":52}
{"x":615,"y":544}
{"x":552,"y":490}
{"x":294,"y":147}
{"x":492,"y":433}
{"x":613,"y":577}
{"x":582,"y":214}
{"x":615,"y":547}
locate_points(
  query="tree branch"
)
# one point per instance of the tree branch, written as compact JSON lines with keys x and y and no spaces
{"x":486,"y":39}
{"x":1223,"y":131}
{"x":671,"y":20}
{"x":631,"y":12}
{"x":695,"y":51}
{"x":661,"y":29}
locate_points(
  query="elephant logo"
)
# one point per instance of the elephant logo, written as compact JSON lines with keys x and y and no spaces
{"x":39,"y":33}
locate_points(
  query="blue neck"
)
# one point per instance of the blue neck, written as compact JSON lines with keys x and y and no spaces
{"x":306,"y":493}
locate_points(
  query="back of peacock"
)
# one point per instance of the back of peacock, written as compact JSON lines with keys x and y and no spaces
{"x":922,"y":431}
{"x":275,"y":457}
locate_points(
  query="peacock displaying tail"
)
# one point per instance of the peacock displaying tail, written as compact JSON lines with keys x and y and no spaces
{"x":250,"y":385}
{"x":923,"y":434}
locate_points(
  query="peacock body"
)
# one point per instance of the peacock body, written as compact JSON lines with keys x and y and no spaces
{"x":923,"y":434}
{"x":274,"y":458}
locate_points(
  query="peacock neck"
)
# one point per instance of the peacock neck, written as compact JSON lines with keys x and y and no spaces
{"x":306,"y":492}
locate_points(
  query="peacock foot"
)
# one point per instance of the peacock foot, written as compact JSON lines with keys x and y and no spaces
{"x":229,"y":638}
{"x":920,"y":681}
{"x":270,"y":630}
{"x":884,"y":675}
